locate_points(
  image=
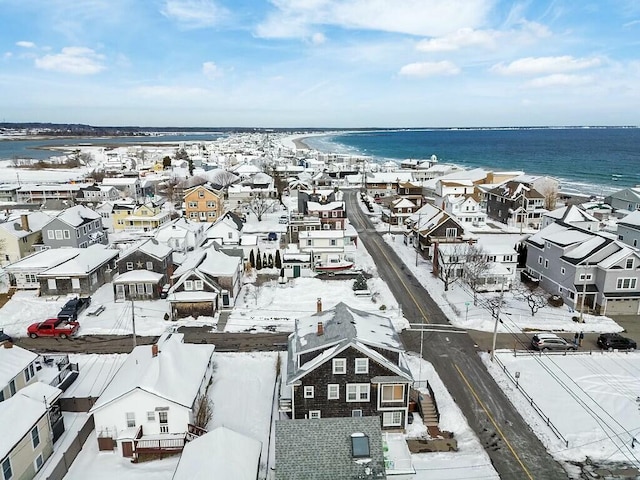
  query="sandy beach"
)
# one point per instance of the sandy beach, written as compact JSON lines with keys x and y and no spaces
{"x":299,"y":143}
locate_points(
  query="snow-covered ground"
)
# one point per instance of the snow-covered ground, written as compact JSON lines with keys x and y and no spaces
{"x":591,"y":399}
{"x":457,"y":303}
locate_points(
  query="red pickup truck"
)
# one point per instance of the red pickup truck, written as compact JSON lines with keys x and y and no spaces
{"x":53,"y":327}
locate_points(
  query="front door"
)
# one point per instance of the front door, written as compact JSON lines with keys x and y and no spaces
{"x":296,"y":271}
{"x":164,"y":422}
{"x":120,"y":292}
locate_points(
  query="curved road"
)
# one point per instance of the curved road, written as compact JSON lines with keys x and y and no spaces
{"x":516,"y":452}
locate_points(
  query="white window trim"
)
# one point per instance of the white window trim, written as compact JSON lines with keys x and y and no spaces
{"x":633,"y":282}
{"x":393,"y":422}
{"x":343,"y":363}
{"x":358,"y":389}
{"x":392,"y":386}
{"x":309,"y":391}
{"x":359,"y":362}
{"x":333,"y":391}
{"x":315,"y":414}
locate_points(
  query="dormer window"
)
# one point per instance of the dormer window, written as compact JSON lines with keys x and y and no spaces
{"x":339,"y":366}
{"x":360,"y":446}
{"x":629,"y":264}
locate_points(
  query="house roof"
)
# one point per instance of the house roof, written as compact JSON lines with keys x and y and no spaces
{"x":12,"y":362}
{"x":571,"y":214}
{"x":36,"y":221}
{"x":175,"y":374}
{"x":21,"y":413}
{"x":84,"y":261}
{"x":220,"y":453}
{"x":631,"y":220}
{"x":151,"y":247}
{"x":42,"y":260}
{"x":138,"y":276}
{"x":317,"y":449}
{"x":320,"y":207}
{"x":429,"y":217}
{"x":218,"y":263}
{"x":39,"y":391}
{"x":78,"y":215}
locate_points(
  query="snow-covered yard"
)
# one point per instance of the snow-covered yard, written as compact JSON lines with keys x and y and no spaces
{"x":592,"y":399}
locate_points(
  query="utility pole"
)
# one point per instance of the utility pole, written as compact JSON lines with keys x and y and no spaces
{"x":417,"y":241}
{"x":495,"y":327}
{"x":133,"y":321}
{"x":584,"y":288}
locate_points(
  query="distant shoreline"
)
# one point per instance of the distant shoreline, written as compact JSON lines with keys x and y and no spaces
{"x":300,"y":143}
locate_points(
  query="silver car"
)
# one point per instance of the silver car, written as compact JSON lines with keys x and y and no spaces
{"x":551,"y":341}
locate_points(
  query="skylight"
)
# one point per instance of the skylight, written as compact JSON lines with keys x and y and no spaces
{"x":360,"y":445}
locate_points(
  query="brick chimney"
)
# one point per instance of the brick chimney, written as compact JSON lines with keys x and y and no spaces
{"x":320,"y":331}
{"x":319,"y":305}
{"x":24,"y":222}
{"x":154,"y":350}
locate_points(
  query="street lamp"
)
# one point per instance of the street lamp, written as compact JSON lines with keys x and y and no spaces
{"x":495,"y":327}
{"x":517,"y":379}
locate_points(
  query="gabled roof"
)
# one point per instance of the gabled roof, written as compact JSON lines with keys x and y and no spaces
{"x":36,"y":221}
{"x":78,"y":215}
{"x":571,"y":214}
{"x":229,"y":454}
{"x":430,"y":217}
{"x":174,"y":374}
{"x":151,"y":247}
{"x":631,"y":220}
{"x":83,"y":262}
{"x":21,"y":414}
{"x":513,"y":190}
{"x":320,"y":207}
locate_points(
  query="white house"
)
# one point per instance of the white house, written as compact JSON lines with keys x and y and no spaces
{"x":17,"y":369}
{"x":154,"y":393}
{"x":466,"y":210}
{"x":326,"y":246}
{"x":181,"y":234}
{"x":571,"y":215}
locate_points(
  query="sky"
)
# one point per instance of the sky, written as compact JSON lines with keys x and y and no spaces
{"x":320,"y":63}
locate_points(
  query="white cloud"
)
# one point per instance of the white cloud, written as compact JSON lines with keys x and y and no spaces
{"x":211,"y":70}
{"x":195,"y":13}
{"x":75,"y":60}
{"x":25,"y":44}
{"x":429,"y":69}
{"x":546,"y":65}
{"x":318,"y":38}
{"x":294,"y":18}
{"x":489,"y":39}
{"x":560,"y":80}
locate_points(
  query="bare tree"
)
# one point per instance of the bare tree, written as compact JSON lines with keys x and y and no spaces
{"x":260,"y":205}
{"x":494,"y":304}
{"x":533,"y":297}
{"x":449,"y":264}
{"x":203,"y":411}
{"x":475,"y":267}
{"x":168,"y":188}
{"x":223,"y":178}
{"x":550,"y":193}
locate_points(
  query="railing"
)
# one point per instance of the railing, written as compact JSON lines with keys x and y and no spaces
{"x":193,"y":432}
{"x":433,"y":400}
{"x":533,"y":404}
{"x":160,"y":445}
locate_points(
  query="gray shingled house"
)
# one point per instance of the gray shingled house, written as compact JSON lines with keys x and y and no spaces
{"x":345,"y":362}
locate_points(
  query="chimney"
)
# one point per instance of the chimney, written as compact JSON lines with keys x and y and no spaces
{"x":320,"y":331}
{"x":24,"y":222}
{"x":8,"y":344}
{"x":319,"y":305}
{"x":154,"y":350}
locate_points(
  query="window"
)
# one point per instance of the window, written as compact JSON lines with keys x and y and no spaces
{"x":129,"y":265}
{"x":200,"y":194}
{"x":314,"y":413}
{"x":362,"y":365}
{"x":12,"y":387}
{"x":393,"y":393}
{"x":358,"y":392}
{"x":198,"y":285}
{"x":392,"y":419}
{"x":58,"y":234}
{"x":562,"y":270}
{"x":149,"y":265}
{"x":151,"y":416}
{"x":163,"y":417}
{"x":491,"y":258}
{"x":6,"y":469}
{"x":193,"y":204}
{"x":32,"y":371}
{"x":585,"y":277}
{"x":333,"y":391}
{"x":30,"y":278}
{"x":27,"y":375}
{"x":35,"y":437}
{"x":546,"y":263}
{"x":66,"y":234}
{"x":629,"y":264}
{"x":508,"y":258}
{"x":131,"y":419}
{"x":333,"y":242}
{"x":211,"y":204}
{"x":339,"y":366}
{"x":356,"y":413}
{"x":148,"y":288}
{"x":140,"y":288}
{"x":626,"y":283}
{"x":50,"y":234}
{"x":308,"y":391}
{"x":188,"y":285}
{"x":360,"y":445}
{"x":38,"y":462}
{"x":309,"y":243}
{"x":452,"y":232}
{"x":540,"y":260}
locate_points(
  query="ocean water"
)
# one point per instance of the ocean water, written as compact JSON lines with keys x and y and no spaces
{"x":586,"y":160}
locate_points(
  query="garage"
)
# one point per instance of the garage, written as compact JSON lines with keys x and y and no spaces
{"x":622,"y":306}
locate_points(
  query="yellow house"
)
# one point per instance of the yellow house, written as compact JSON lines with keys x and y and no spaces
{"x":203,"y":204}
{"x":139,"y":217}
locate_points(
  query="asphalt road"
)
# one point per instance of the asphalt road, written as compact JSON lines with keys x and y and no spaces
{"x":515,"y":451}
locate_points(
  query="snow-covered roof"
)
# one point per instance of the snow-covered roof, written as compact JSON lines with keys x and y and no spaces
{"x":174,"y":374}
{"x":633,"y":219}
{"x":138,"y":276}
{"x":219,"y":263}
{"x":21,"y":413}
{"x":12,"y":362}
{"x":39,"y":391}
{"x":321,"y":234}
{"x":319,"y":207}
{"x":120,"y":181}
{"x":403,"y":203}
{"x":221,"y":453}
{"x":84,"y":261}
{"x":43,"y":260}
{"x":36,"y":220}
{"x":151,"y":247}
{"x":571,"y":214}
{"x":77,"y":215}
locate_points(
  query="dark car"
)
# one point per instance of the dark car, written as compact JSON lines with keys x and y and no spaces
{"x":611,"y":341}
{"x":164,"y":293}
{"x":4,"y":337}
{"x":272,"y":236}
{"x":73,"y":307}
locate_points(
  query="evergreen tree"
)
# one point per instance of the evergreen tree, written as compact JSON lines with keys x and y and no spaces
{"x":282,"y":273}
{"x":278,"y":261}
{"x":265,"y":263}
{"x":252,"y":259}
{"x":258,"y":261}
{"x":270,"y":260}
{"x":360,"y":283}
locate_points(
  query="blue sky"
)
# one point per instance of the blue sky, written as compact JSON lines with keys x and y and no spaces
{"x":320,"y":63}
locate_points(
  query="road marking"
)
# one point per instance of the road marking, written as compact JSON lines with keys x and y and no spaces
{"x":495,"y":425}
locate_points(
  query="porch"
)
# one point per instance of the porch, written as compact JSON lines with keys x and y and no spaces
{"x":163,"y":444}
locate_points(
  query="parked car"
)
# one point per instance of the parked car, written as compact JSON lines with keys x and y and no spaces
{"x":283,"y":219}
{"x":4,"y":337}
{"x":610,"y":341}
{"x":272,"y":236}
{"x":551,"y":341}
{"x":164,"y":293}
{"x":73,"y":307}
{"x":53,"y":327}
